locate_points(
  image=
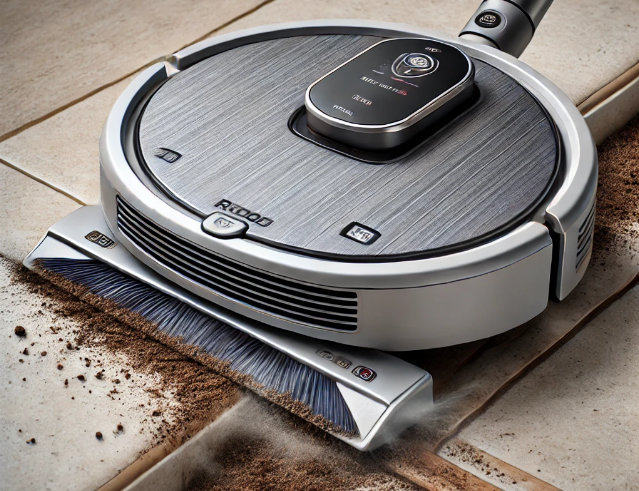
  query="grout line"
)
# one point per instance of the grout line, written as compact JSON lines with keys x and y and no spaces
{"x":28,"y":125}
{"x":509,"y":471}
{"x":544,"y":355}
{"x":228,"y":23}
{"x":49,"y":115}
{"x":606,"y":92}
{"x":42,"y":181}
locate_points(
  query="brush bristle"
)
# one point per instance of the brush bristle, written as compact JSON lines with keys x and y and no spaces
{"x":267,"y":366}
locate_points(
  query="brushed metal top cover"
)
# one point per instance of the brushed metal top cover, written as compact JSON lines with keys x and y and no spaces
{"x":227,"y":118}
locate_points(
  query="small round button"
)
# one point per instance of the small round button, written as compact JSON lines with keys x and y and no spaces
{"x":414,"y":65}
{"x":488,"y":19}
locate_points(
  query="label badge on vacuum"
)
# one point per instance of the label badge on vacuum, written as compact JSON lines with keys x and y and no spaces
{"x":365,"y":373}
{"x":100,"y":239}
{"x":340,"y":361}
{"x":359,"y":233}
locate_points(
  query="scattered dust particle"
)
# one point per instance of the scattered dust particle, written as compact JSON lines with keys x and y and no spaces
{"x":66,"y":381}
{"x":99,"y":375}
{"x":127,"y":376}
{"x":69,"y":346}
{"x":44,"y":353}
{"x":20,"y":331}
{"x":98,"y":435}
{"x":156,"y":413}
{"x":116,"y":381}
{"x":21,"y":360}
{"x":32,"y":441}
{"x":24,"y":379}
{"x":25,"y":351}
{"x":120,"y":428}
{"x":81,"y":377}
{"x":60,"y":366}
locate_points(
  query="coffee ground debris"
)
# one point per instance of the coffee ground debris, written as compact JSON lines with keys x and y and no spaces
{"x":618,"y":190}
{"x":189,"y":394}
{"x":20,"y":331}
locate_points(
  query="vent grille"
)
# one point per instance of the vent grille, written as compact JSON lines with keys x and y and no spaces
{"x":584,"y":239}
{"x":270,"y":294}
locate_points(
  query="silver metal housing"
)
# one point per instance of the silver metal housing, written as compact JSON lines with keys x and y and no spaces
{"x":403,"y":305}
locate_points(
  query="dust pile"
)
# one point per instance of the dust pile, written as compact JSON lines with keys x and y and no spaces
{"x":196,"y":394}
{"x":271,"y":453}
{"x":618,"y":190}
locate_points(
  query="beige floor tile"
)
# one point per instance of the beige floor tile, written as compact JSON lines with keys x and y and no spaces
{"x":56,"y":51}
{"x":27,"y":210}
{"x":63,"y":419}
{"x":64,"y":149}
{"x":573,"y":421}
{"x":581,"y":45}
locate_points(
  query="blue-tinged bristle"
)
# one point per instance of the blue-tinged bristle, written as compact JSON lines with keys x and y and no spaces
{"x":269,"y":367}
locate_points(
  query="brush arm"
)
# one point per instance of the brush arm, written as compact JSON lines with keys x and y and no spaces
{"x":507,"y":25}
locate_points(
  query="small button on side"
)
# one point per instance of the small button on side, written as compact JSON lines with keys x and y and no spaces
{"x":223,"y":226}
{"x":488,"y":19}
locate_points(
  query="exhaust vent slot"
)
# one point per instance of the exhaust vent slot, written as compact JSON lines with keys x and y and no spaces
{"x":264,"y":292}
{"x":584,"y":239}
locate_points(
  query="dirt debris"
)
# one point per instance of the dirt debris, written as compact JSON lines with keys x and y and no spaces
{"x":20,"y":331}
{"x":618,"y":190}
{"x":188,"y":393}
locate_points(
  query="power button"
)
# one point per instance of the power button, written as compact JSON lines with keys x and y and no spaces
{"x":488,"y":19}
{"x":223,"y":226}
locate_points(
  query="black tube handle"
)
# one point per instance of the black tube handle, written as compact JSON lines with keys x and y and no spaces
{"x":508,"y":25}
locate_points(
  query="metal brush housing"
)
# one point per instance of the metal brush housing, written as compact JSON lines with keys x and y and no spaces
{"x":465,"y":235}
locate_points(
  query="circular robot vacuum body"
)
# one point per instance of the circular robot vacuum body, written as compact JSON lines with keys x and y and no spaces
{"x":372,"y":184}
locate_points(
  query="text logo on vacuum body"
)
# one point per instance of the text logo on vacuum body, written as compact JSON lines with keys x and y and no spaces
{"x":240,"y":211}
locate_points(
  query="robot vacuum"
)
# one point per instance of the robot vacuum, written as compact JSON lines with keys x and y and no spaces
{"x":289,"y":174}
{"x":370,"y":184}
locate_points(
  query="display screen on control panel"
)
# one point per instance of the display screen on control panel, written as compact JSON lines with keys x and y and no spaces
{"x":390,"y":81}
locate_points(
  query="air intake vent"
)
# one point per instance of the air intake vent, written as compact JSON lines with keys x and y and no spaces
{"x":584,"y":240}
{"x":273,"y":295}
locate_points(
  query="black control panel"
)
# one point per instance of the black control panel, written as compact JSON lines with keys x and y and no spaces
{"x":391,"y":81}
{"x":387,"y":89}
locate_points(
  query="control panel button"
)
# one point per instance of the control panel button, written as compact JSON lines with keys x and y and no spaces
{"x":360,"y":233}
{"x":488,"y":19}
{"x":365,"y":373}
{"x":414,"y":65}
{"x":224,"y":226}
